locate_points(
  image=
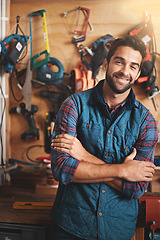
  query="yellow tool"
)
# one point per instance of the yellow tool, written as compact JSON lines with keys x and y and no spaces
{"x":33,"y":205}
{"x":35,"y":64}
{"x":45,"y":33}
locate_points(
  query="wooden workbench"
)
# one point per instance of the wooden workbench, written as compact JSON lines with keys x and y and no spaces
{"x":10,"y":194}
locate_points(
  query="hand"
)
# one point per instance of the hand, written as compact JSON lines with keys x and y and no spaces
{"x":71,"y":145}
{"x":135,"y":170}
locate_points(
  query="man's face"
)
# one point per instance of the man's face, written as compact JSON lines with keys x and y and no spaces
{"x":123,"y":69}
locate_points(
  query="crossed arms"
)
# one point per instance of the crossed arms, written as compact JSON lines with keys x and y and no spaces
{"x":92,"y":169}
{"x":74,"y":163}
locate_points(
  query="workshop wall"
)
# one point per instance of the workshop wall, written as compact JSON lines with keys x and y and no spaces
{"x":111,"y":16}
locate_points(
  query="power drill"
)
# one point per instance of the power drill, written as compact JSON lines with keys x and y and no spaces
{"x":55,"y":98}
{"x":32,"y":133}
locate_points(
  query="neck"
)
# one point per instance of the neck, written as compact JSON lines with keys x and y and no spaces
{"x":113,"y":99}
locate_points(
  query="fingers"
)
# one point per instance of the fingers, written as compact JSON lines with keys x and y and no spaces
{"x":138,"y":170}
{"x":65,"y":143}
{"x":65,"y":136}
{"x":61,"y":143}
{"x":132,"y":155}
{"x":62,"y":138}
{"x":150,"y":164}
{"x":148,"y":179}
{"x":58,"y":143}
{"x":149,"y":168}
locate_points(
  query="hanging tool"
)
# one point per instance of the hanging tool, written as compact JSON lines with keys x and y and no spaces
{"x":46,"y":75}
{"x":50,"y":118}
{"x":83,"y":33}
{"x":100,"y":49}
{"x":27,"y":87}
{"x":44,"y":72}
{"x":38,"y":64}
{"x":56,"y":99}
{"x":12,"y":48}
{"x":148,"y":73}
{"x":81,"y":76}
{"x":12,"y":56}
{"x":32,"y":133}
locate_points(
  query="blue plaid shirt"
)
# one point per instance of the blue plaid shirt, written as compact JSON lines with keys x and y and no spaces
{"x":65,"y":166}
{"x":96,"y":211}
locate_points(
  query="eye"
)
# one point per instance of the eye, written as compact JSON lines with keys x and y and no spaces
{"x":119,"y":62}
{"x":134,"y":67}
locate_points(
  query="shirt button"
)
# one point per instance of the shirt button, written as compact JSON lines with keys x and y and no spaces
{"x":100,"y":214}
{"x":87,"y":125}
{"x":109,"y":131}
{"x":103,"y":191}
{"x":126,"y":148}
{"x":107,"y":154}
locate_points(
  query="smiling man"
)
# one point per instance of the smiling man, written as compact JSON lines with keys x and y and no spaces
{"x":102,"y":152}
{"x":124,"y":70}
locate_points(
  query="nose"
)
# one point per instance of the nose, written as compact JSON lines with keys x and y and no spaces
{"x":125,"y":70}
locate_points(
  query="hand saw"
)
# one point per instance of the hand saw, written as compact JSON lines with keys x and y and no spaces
{"x":86,"y":13}
{"x":38,"y":64}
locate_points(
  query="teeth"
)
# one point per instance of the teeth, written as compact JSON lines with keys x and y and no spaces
{"x":121,"y":78}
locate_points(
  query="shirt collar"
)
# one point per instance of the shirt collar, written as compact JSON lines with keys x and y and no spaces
{"x":97,"y":97}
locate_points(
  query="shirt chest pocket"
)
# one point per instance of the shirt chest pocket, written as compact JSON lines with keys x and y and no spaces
{"x":91,"y":135}
{"x":123,"y":145}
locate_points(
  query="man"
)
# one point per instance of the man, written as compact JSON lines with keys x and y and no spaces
{"x":97,"y":135}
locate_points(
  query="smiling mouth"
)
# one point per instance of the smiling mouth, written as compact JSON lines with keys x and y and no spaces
{"x":123,"y":79}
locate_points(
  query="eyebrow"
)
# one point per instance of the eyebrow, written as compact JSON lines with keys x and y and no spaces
{"x":134,"y":63}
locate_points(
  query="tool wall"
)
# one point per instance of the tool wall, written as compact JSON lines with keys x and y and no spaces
{"x":106,"y":17}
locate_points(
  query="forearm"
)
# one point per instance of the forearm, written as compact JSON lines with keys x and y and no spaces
{"x":89,"y":166}
{"x":91,"y":169}
{"x":88,"y":172}
{"x":112,"y":182}
{"x":116,"y":184}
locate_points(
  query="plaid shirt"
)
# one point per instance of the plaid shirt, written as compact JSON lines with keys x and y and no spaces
{"x":65,"y":165}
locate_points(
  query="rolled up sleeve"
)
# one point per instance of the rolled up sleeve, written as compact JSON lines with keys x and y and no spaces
{"x":63,"y":165}
{"x":145,"y":147}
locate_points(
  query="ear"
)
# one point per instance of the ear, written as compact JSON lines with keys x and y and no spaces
{"x":105,"y":64}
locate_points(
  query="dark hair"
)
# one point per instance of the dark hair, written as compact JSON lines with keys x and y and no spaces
{"x":129,"y":41}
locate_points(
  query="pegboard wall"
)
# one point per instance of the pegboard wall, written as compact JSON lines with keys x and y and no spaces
{"x":107,"y":17}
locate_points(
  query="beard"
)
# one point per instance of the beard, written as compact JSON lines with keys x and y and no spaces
{"x":111,"y":82}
